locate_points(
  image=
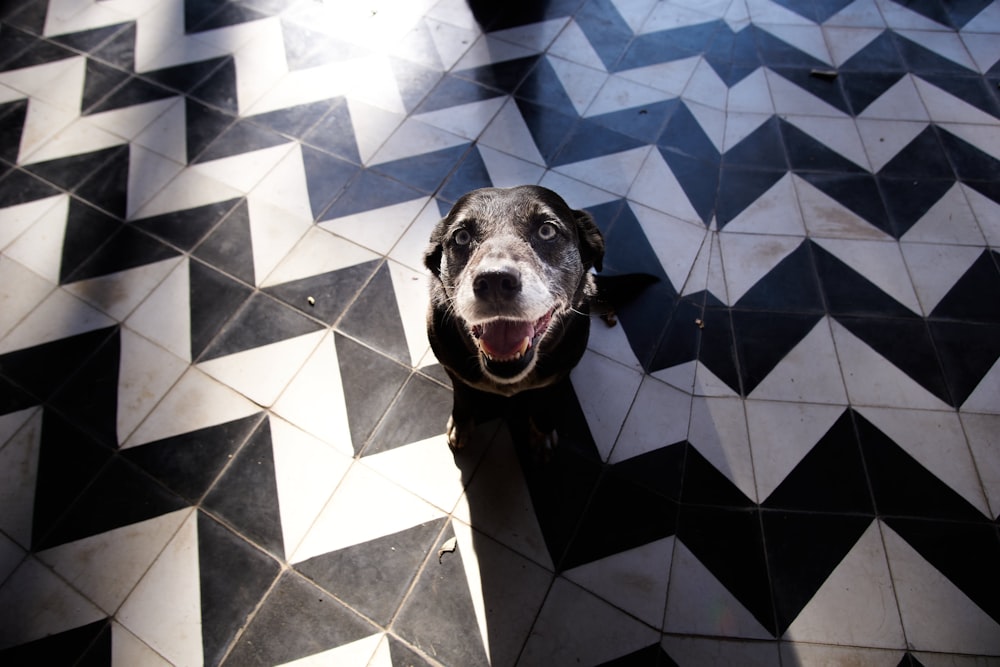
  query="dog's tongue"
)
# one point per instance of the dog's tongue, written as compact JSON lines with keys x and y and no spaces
{"x":505,"y":339}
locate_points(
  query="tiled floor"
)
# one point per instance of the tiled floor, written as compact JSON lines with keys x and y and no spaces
{"x":221,"y":431}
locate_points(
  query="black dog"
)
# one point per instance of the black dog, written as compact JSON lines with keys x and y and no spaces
{"x":511,"y":293}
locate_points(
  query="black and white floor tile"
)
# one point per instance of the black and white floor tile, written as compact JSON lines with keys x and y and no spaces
{"x":221,"y":428}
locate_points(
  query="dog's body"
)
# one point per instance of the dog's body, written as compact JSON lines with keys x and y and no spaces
{"x":510,"y":299}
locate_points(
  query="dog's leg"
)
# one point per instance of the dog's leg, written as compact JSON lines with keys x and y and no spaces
{"x":462,"y":422}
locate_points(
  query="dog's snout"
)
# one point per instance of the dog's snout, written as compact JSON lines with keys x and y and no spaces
{"x":497,"y":284}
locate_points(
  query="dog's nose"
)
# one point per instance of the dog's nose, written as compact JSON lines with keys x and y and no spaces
{"x":498,"y":284}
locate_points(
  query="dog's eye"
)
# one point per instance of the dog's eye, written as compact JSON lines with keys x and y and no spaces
{"x":462,"y":237}
{"x":547,"y":231}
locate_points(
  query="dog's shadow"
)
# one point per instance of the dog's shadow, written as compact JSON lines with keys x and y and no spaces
{"x":524,"y":504}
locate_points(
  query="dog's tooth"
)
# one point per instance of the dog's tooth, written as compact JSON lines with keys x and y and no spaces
{"x":525,"y":344}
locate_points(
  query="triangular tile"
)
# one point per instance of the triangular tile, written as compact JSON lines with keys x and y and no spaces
{"x":171,"y":296}
{"x":47,"y":606}
{"x":348,"y":571}
{"x":351,"y":517}
{"x":214,"y":298}
{"x":747,"y":258}
{"x":246,"y":496}
{"x":19,"y":459}
{"x":719,"y":432}
{"x":105,"y":567}
{"x":508,"y":132}
{"x":229,"y":246}
{"x":379,"y":222}
{"x":873,"y":619}
{"x":699,"y":604}
{"x":983,"y":396}
{"x":950,"y":264}
{"x":877,"y":265}
{"x":322,"y":295}
{"x":824,"y":216}
{"x":88,"y":397}
{"x":371,"y":651}
{"x":954,"y":623}
{"x":375,"y":317}
{"x":196,"y":401}
{"x":60,"y":315}
{"x":173,"y":630}
{"x":314,"y":400}
{"x":224,"y":615}
{"x":807,"y":372}
{"x":306,"y":473}
{"x":189,"y":463}
{"x":118,"y":293}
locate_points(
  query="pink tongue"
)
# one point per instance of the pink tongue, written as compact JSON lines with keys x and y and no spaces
{"x":503,"y":339}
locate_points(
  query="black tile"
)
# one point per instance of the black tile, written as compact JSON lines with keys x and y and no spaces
{"x":189,"y":463}
{"x":969,"y":162}
{"x":107,"y":188}
{"x":401,"y":654}
{"x":589,"y":139}
{"x":761,"y":149}
{"x":133,"y":91}
{"x":679,"y":340}
{"x":863,"y":88}
{"x":209,"y":15}
{"x":187,"y":76}
{"x":68,"y":461}
{"x":777,"y":53}
{"x":792,"y":285}
{"x":374,"y":318}
{"x":923,"y":158}
{"x":730,"y":544}
{"x":470,"y":174}
{"x":666,"y":46}
{"x":229,"y":247}
{"x":504,"y":76}
{"x":331,"y":292}
{"x":543,"y":87}
{"x":90,"y":397}
{"x":214,"y":299}
{"x":70,"y":171}
{"x":128,"y":248}
{"x":902,"y":487}
{"x":818,"y":11}
{"x":241,"y":137}
{"x":718,"y":350}
{"x":38,"y":52}
{"x":549,"y":129}
{"x":859,"y":193}
{"x":908,"y":199}
{"x":42,"y":369}
{"x":739,"y":188}
{"x":327,"y":177}
{"x":438,"y":616}
{"x":261,"y":321}
{"x":644,"y":123}
{"x":100,"y":80}
{"x":120,"y":496}
{"x":968,"y":351}
{"x":420,"y":411}
{"x":20,"y":187}
{"x":13,"y":42}
{"x":975,"y":297}
{"x":204,"y":125}
{"x":802,"y":551}
{"x":12,"y":116}
{"x":830,"y":478}
{"x":186,"y":227}
{"x":879,"y":55}
{"x":660,"y":470}
{"x":297,"y":619}
{"x":453,"y":91}
{"x":621,"y":515}
{"x":65,"y":648}
{"x":651,"y":656}
{"x":295,"y":121}
{"x":704,"y":485}
{"x":246,"y":496}
{"x":764,"y":339}
{"x":120,"y":49}
{"x":806,"y":154}
{"x":371,"y":382}
{"x":921,"y":60}
{"x":224,"y":558}
{"x":848,"y":292}
{"x":823,"y":88}
{"x":374,"y":577}
{"x":966,"y":553}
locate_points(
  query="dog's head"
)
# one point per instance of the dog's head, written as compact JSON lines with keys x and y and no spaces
{"x":510,"y":264}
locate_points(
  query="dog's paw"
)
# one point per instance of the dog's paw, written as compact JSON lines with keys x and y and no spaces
{"x":459,"y":433}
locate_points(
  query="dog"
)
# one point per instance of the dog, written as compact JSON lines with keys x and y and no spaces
{"x":511,"y":291}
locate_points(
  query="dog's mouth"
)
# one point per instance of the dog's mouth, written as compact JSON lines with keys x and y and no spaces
{"x":507,"y":346}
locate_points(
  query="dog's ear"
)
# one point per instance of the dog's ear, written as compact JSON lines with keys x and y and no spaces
{"x":591,"y":240}
{"x":432,"y":255}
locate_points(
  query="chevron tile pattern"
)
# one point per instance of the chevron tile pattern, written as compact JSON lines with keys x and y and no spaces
{"x":221,"y":428}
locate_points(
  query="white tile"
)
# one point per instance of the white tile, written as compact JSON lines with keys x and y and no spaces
{"x":365,"y":651}
{"x":981,"y":431}
{"x":465,"y":120}
{"x":614,"y":173}
{"x":306,"y":473}
{"x":690,"y":651}
{"x":572,"y":44}
{"x":902,"y":101}
{"x":781,"y":435}
{"x":196,"y":401}
{"x":825,"y":654}
{"x":509,"y":134}
{"x":839,"y":134}
{"x":317,"y":252}
{"x":946,"y":44}
{"x":634,"y":580}
{"x":858,"y":14}
{"x":605,"y":390}
{"x":145,"y":374}
{"x":740,"y":125}
{"x":824,"y":216}
{"x":950,"y":220}
{"x":656,"y":187}
{"x":809,"y":372}
{"x":899,"y":17}
{"x":620,"y":93}
{"x":775,"y":212}
{"x":314,"y":400}
{"x":983,"y":47}
{"x":937,"y":616}
{"x":164,"y":609}
{"x":38,"y":245}
{"x":791,"y":99}
{"x":670,"y":16}
{"x":575,"y":626}
{"x":936,"y":268}
{"x":880,"y":262}
{"x":425,"y":468}
{"x":506,"y":170}
{"x":719,"y":433}
{"x":535,"y":36}
{"x":660,"y":416}
{"x":119,"y":293}
{"x":943,"y":107}
{"x":866,"y":614}
{"x":20,"y":291}
{"x":127,"y":649}
{"x":377,"y":229}
{"x":937,"y":442}
{"x":274,"y":232}
{"x":412,"y":301}
{"x":845,"y":42}
{"x":105,"y":567}
{"x":698,"y":604}
{"x":671,"y":77}
{"x":807,"y":38}
{"x":984,"y":396}
{"x":984,"y":137}
{"x":60,"y":315}
{"x":416,"y":137}
{"x":165,"y":316}
{"x":263,"y":372}
{"x":14,"y":220}
{"x":409,"y":250}
{"x":987,"y":214}
{"x":705,"y":88}
{"x":676,"y":242}
{"x":149,"y":172}
{"x":747,"y":258}
{"x":364,"y":507}
{"x":372,"y":127}
{"x":873,"y":380}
